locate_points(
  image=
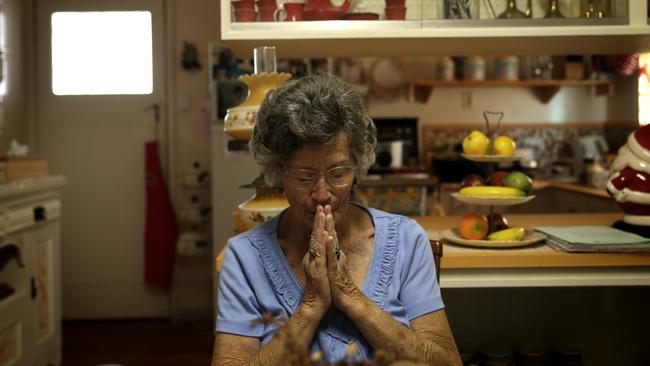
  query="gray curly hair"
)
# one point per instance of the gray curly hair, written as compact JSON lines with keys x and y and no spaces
{"x":312,"y":109}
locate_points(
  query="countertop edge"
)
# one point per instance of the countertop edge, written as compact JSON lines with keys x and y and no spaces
{"x":32,"y":185}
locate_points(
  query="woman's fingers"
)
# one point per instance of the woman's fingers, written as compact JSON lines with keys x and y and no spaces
{"x":332,"y":263}
{"x":315,"y":249}
{"x":329,"y":226}
{"x":329,"y":223}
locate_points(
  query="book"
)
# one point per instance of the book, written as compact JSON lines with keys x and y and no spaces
{"x":593,"y":239}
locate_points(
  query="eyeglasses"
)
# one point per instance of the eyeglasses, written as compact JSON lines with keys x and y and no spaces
{"x":337,"y":177}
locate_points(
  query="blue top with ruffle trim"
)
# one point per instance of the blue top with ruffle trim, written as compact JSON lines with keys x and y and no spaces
{"x":256,"y":279}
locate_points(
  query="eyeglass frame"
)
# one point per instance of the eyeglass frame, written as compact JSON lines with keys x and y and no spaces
{"x":320,"y":174}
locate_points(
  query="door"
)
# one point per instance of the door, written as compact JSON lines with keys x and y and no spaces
{"x":95,"y":111}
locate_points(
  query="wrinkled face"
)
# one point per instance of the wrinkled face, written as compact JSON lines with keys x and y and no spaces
{"x":318,"y":174}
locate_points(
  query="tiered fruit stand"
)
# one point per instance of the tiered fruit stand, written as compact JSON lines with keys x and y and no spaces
{"x":453,"y":235}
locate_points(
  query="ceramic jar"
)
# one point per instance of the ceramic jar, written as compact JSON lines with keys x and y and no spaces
{"x":629,"y":183}
{"x":265,"y":203}
{"x":474,"y":68}
{"x":445,"y":69}
{"x":506,"y":68}
{"x":239,"y":121}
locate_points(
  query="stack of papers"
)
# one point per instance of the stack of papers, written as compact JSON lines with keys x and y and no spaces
{"x":593,"y":239}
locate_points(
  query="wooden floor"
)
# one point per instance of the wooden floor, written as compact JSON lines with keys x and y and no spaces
{"x":136,"y":343}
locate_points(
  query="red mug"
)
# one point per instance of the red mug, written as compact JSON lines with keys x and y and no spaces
{"x":395,"y":12}
{"x":267,"y":4}
{"x":392,"y":3}
{"x":291,"y":12}
{"x":266,"y":13}
{"x":245,"y":15}
{"x":243,"y":4}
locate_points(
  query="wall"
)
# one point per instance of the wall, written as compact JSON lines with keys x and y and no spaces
{"x":16,"y":103}
{"x":195,"y":21}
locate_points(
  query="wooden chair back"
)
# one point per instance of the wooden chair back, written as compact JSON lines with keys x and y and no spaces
{"x":436,"y":248}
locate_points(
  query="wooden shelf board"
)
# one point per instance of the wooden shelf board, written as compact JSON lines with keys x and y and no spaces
{"x":522,"y":83}
{"x":237,"y":145}
{"x":420,"y":90}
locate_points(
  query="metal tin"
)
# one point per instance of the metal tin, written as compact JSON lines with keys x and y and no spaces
{"x":506,"y":68}
{"x":474,"y":68}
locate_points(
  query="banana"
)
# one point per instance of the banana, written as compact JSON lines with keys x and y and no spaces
{"x":511,"y":234}
{"x":491,"y":191}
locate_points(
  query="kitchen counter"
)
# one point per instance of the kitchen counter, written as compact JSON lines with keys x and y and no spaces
{"x":32,"y":185}
{"x":573,"y":187}
{"x":536,"y":265}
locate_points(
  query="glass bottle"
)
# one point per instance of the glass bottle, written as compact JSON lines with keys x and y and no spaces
{"x":264,"y":58}
{"x":553,"y":10}
{"x":591,"y":11}
{"x":529,"y":9}
{"x":605,"y":11}
{"x":511,"y":11}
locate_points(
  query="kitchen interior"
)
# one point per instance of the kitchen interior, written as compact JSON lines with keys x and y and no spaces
{"x":568,"y":101}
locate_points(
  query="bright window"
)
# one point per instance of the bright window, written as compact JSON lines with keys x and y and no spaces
{"x":99,"y":53}
{"x":644,"y":89}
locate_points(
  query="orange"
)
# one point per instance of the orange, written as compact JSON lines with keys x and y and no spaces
{"x":474,"y":226}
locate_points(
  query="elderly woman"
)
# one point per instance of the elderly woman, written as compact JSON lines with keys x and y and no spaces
{"x":337,"y":273}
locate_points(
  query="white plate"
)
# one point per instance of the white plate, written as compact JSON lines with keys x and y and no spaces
{"x":496,"y":201}
{"x":531,"y":237}
{"x":491,"y":158}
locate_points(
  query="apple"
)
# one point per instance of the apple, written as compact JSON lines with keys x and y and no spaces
{"x":476,"y":143}
{"x":518,"y":180}
{"x":473,"y":226}
{"x":472,"y":180}
{"x":496,"y":178}
{"x":496,"y":222}
{"x":503,"y":145}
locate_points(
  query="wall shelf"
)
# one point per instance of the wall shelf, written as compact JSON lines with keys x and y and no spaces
{"x":544,"y":90}
{"x":237,"y":145}
{"x":627,"y":32}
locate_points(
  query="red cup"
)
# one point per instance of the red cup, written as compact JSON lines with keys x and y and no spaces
{"x":267,"y":4}
{"x":245,"y":15}
{"x":395,"y":12}
{"x":392,"y":3}
{"x":290,"y":12}
{"x":266,"y":13}
{"x":243,"y":5}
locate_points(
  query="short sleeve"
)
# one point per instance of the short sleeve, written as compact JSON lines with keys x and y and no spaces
{"x":238,"y":308}
{"x":419,"y":292}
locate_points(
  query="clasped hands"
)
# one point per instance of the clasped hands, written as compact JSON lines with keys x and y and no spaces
{"x":328,"y":279}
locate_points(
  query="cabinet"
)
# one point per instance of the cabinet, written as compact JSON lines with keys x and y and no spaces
{"x":30,"y":311}
{"x":627,"y":31}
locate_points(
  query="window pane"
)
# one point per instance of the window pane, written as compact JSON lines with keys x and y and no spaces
{"x":97,"y":53}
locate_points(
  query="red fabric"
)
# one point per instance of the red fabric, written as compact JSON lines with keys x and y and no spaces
{"x":161,"y":228}
{"x":642,"y":136}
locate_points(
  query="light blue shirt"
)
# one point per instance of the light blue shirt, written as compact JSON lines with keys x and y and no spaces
{"x":256,"y":279}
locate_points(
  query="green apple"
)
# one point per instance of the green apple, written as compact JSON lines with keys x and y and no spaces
{"x":476,"y":143}
{"x":518,"y":180}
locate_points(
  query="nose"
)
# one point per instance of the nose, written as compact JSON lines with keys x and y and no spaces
{"x":321,"y":193}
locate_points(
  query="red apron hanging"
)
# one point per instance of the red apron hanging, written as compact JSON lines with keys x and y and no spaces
{"x":161,"y":228}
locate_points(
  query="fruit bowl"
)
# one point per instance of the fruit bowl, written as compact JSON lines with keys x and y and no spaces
{"x":531,"y":237}
{"x":496,"y":201}
{"x":491,"y":158}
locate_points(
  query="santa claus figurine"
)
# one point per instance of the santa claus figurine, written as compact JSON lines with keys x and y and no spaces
{"x":629,"y":183}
